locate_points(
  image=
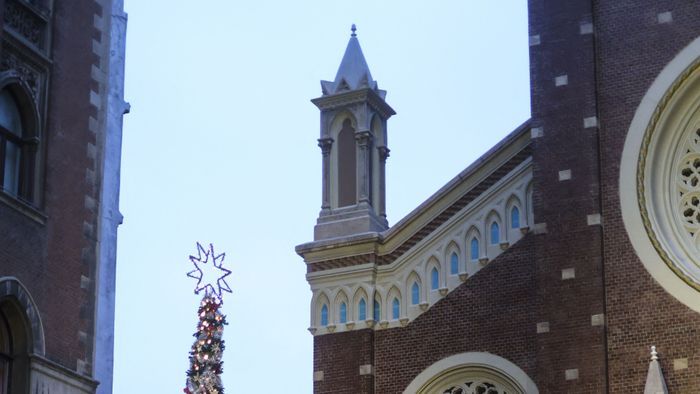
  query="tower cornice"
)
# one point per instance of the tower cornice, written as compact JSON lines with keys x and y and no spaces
{"x":367,"y":95}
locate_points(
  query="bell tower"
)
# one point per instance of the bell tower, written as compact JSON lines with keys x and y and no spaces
{"x":354,"y":148}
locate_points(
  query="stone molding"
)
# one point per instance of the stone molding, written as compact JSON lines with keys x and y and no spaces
{"x":371,"y":281}
{"x":47,"y":377}
{"x":472,"y":364}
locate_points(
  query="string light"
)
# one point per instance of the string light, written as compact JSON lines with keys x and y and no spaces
{"x":206,"y":366}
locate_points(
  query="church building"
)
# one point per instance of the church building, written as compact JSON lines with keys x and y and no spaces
{"x":61,"y":108}
{"x":566,"y":259}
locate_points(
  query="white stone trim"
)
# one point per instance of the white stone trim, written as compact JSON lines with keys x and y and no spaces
{"x":571,"y":374}
{"x":561,"y":80}
{"x":664,"y":17}
{"x":586,"y":28}
{"x":433,"y":251}
{"x":488,"y":361}
{"x":628,"y":179}
{"x":534,"y":40}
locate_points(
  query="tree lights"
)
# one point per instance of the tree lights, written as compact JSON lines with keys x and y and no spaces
{"x":204,"y":375}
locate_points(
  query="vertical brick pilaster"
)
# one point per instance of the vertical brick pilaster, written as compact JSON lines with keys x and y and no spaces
{"x":567,"y":188}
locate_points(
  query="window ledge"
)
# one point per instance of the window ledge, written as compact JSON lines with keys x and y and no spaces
{"x":23,"y":208}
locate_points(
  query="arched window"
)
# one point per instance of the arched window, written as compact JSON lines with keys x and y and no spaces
{"x":5,"y":354}
{"x":362,"y":310}
{"x":324,"y":315}
{"x":515,"y":218}
{"x":17,"y":149}
{"x":346,"y":165}
{"x":376,"y":310}
{"x":395,"y":309}
{"x":434,"y":279}
{"x":415,"y":293}
{"x":343,"y":313}
{"x":454,"y":264}
{"x":495,"y":234}
{"x":474,"y":255}
{"x":15,"y":342}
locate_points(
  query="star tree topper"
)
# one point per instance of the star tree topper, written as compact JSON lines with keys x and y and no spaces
{"x":209,"y":272}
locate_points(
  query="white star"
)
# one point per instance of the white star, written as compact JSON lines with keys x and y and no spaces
{"x":209,"y":272}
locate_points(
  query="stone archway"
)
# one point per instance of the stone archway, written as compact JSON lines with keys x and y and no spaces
{"x":472,"y":373}
{"x":12,"y":288}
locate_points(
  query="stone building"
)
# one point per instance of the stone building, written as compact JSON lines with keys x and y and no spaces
{"x":61,"y":107}
{"x":555,"y":261}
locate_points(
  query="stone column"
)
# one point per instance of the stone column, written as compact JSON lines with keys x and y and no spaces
{"x":325,"y":144}
{"x":363,"y":139}
{"x":383,"y":155}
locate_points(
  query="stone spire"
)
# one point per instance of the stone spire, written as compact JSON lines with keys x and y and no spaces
{"x":655,"y":378}
{"x":354,"y":150}
{"x":353,"y":73}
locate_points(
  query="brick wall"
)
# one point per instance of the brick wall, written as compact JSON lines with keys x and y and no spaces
{"x":566,"y":191}
{"x":339,"y":357}
{"x":633,"y":47}
{"x":492,"y":312}
{"x":50,"y":259}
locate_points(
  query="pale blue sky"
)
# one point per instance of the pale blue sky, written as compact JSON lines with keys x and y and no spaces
{"x":220,"y":146}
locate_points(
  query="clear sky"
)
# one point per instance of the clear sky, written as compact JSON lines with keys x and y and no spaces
{"x":220,"y":147}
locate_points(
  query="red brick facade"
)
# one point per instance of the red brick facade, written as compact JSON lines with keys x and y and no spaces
{"x":591,"y":64}
{"x":49,"y":244}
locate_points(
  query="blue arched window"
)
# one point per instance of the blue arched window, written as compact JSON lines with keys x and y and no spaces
{"x":324,"y":315}
{"x":434,"y":279}
{"x":343,"y":312}
{"x":495,"y":234}
{"x":415,"y":293}
{"x":454,"y":264}
{"x":515,"y":218}
{"x":395,"y":309}
{"x":474,"y":254}
{"x":362,"y":310}
{"x":376,"y":311}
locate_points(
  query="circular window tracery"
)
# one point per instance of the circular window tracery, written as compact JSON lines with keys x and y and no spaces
{"x":476,"y":387}
{"x":668,"y":184}
{"x":660,"y":178}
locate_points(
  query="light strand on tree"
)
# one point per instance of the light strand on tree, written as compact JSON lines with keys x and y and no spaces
{"x":206,"y":366}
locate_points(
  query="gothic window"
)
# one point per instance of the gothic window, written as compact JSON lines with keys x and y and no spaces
{"x":17,"y":149}
{"x":495,"y":234}
{"x":474,"y":247}
{"x":362,"y":310}
{"x":395,"y":309}
{"x":324,"y":315}
{"x":434,"y":279}
{"x":376,"y":310}
{"x":515,"y":217}
{"x":343,"y":318}
{"x":454,"y":264}
{"x":415,"y":293}
{"x":346,"y":165}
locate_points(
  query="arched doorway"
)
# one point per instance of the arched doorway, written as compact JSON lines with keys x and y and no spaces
{"x":472,"y":373}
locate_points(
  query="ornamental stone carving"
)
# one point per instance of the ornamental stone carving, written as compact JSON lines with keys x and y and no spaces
{"x":25,"y":22}
{"x":476,"y":387}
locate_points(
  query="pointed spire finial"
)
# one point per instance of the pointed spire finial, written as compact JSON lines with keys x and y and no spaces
{"x":654,"y":354}
{"x":354,"y":29}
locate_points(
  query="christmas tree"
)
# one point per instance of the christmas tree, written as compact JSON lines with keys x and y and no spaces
{"x":204,"y":375}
